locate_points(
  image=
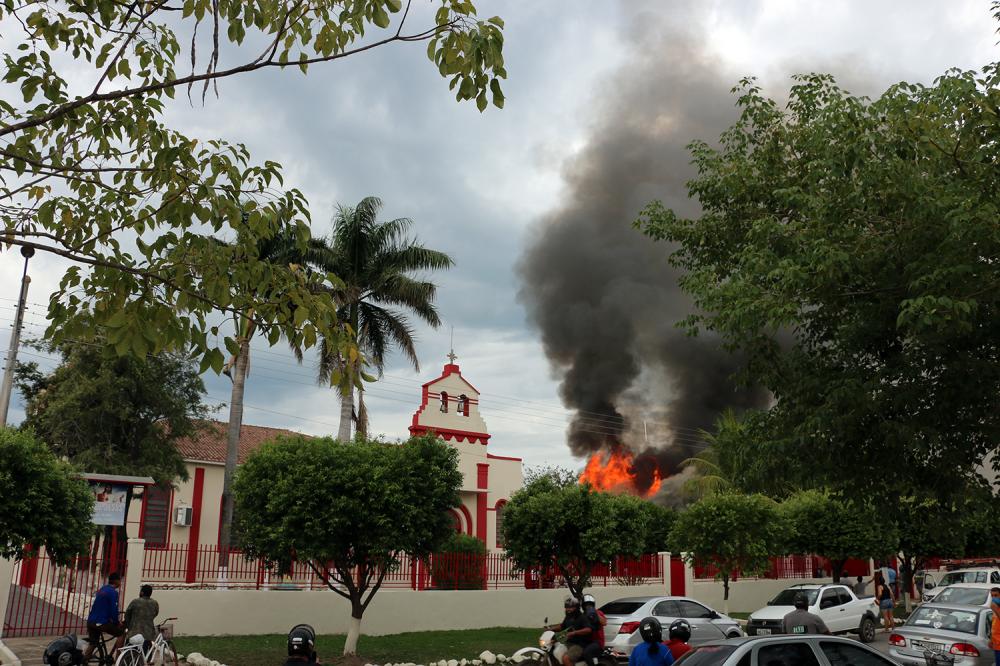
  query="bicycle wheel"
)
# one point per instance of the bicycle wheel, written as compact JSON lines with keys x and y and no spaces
{"x":129,"y":657}
{"x":170,"y":655}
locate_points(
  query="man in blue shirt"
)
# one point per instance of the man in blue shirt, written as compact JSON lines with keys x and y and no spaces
{"x":652,"y":651}
{"x":103,"y":618}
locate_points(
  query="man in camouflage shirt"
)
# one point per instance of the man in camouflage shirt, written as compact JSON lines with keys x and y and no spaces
{"x":140,"y":614}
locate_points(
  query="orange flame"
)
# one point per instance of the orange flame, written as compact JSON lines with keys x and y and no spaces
{"x":614,"y":472}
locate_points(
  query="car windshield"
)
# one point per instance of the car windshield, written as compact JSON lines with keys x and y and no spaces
{"x":946,"y":619}
{"x":973,"y":596}
{"x":964,"y":577}
{"x":621,"y":607}
{"x":787,"y":597}
{"x":707,"y":655}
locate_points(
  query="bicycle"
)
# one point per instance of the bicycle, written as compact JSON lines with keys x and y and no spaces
{"x":161,"y":649}
{"x":101,"y":651}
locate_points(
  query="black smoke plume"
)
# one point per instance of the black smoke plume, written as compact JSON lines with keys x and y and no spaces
{"x":602,"y":294}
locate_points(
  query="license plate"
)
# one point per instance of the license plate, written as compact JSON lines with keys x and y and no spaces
{"x":933,"y":647}
{"x":763,"y":632}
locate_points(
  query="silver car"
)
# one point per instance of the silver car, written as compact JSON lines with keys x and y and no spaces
{"x":785,"y":650}
{"x":950,"y":633}
{"x":622,"y":631}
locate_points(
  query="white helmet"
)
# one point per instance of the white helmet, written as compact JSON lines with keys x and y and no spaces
{"x":589,"y":599}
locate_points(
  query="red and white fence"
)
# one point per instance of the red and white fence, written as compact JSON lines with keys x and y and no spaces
{"x":178,"y":565}
{"x":793,"y":566}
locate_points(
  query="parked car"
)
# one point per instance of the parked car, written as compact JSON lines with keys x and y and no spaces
{"x":949,"y":631}
{"x":785,"y":650}
{"x":932,"y":582}
{"x":838,"y":606}
{"x":968,"y":594}
{"x":621,"y":633}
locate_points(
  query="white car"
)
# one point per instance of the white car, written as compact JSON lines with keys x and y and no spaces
{"x":621,"y":633}
{"x":932,"y":582}
{"x":969,"y":594}
{"x":840,"y":609}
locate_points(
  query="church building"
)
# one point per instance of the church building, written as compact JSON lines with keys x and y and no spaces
{"x":449,"y":408}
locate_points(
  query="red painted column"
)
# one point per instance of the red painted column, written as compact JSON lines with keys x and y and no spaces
{"x":195,"y":529}
{"x":482,"y":483}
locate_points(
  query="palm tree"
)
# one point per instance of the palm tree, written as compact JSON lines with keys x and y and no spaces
{"x":283,"y":252}
{"x":375,"y":260}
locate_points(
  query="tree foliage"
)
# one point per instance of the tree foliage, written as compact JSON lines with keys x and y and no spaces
{"x":348,"y":509}
{"x":837,"y":529}
{"x":459,"y":564}
{"x":732,"y":532}
{"x":92,"y":173}
{"x":42,"y":500}
{"x":848,"y":247}
{"x":115,"y":415}
{"x":573,"y":527}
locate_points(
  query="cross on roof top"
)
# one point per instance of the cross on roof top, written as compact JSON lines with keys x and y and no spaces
{"x":452,"y":356}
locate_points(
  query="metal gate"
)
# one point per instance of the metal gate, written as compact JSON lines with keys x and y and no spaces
{"x":50,"y":600}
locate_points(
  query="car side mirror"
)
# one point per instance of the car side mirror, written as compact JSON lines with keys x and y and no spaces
{"x":714,"y":615}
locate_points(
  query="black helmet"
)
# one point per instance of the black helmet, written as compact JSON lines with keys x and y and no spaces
{"x":681,"y":630}
{"x":63,"y":652}
{"x":301,"y":641}
{"x":571,"y":602}
{"x":801,"y":601}
{"x":651,"y":630}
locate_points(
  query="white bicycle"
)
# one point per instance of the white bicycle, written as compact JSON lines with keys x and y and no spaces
{"x":161,"y":652}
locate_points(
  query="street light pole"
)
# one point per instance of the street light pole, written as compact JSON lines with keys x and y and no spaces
{"x":15,"y":339}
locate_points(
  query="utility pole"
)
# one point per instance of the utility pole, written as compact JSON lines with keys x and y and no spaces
{"x":15,"y":339}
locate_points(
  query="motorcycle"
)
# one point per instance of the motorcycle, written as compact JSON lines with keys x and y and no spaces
{"x":550,"y":652}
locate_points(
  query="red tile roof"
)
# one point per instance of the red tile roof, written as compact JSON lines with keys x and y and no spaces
{"x":209,"y":444}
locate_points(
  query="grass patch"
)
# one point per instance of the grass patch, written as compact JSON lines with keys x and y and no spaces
{"x":417,"y":647}
{"x":740,"y":616}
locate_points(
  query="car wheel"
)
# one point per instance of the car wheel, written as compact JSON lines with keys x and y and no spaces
{"x":866,"y":630}
{"x":734,"y":634}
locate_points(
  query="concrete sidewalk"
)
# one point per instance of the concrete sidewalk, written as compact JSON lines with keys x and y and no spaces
{"x":28,"y":650}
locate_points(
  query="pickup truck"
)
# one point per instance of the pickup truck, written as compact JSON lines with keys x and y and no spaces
{"x":838,"y":606}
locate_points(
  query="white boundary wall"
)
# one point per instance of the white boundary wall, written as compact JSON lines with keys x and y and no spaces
{"x":745,"y":596}
{"x":222,"y":612}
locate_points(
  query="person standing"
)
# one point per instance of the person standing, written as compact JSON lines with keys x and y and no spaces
{"x":801,"y":621}
{"x":885,"y":602}
{"x":860,"y":586}
{"x":140,"y":614}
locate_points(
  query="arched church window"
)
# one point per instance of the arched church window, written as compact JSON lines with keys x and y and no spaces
{"x":499,"y":512}
{"x":444,"y":401}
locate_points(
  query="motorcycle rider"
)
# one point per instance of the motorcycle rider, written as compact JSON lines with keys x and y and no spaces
{"x":597,"y":621}
{"x":578,"y":630}
{"x":301,"y":646}
{"x":678,"y":636}
{"x":652,"y":651}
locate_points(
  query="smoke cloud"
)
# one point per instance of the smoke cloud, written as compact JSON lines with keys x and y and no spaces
{"x":603,"y":295}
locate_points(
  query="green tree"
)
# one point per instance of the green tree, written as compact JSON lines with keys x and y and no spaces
{"x":376,"y":261}
{"x":348,"y":509}
{"x":459,"y":564}
{"x":562,"y":476}
{"x":571,"y":528}
{"x":115,"y":415}
{"x":928,"y":527}
{"x":42,"y":500}
{"x":839,"y":530}
{"x":732,"y":532}
{"x":845,"y":246}
{"x":93,"y":174}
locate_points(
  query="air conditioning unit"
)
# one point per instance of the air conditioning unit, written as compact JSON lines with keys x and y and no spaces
{"x":183,"y":516}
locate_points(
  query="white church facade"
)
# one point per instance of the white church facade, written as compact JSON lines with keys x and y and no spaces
{"x":449,"y":408}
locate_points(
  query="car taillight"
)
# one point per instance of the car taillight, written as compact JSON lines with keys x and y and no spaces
{"x":897,"y":640}
{"x":964,"y":649}
{"x":628,"y":628}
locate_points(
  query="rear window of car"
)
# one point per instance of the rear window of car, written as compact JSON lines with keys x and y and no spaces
{"x":787,"y":597}
{"x":964,"y":577}
{"x":948,"y":619}
{"x":963,"y":595}
{"x":707,"y":655}
{"x":621,"y":607}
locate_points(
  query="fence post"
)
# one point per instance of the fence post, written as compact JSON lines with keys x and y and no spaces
{"x":135,"y":554}
{"x":6,"y":581}
{"x":665,"y":570}
{"x":688,"y":575}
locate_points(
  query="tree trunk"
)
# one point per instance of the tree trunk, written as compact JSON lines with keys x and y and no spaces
{"x":838,"y":569}
{"x":346,"y":415}
{"x":362,"y":420}
{"x":725,"y":594}
{"x":353,"y":631}
{"x":906,"y":579}
{"x":232,"y":449}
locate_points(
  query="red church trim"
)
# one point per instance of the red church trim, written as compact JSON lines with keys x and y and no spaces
{"x":482,"y":476}
{"x":493,"y":457}
{"x":195,"y":530}
{"x":468,"y":519}
{"x":481,"y":517}
{"x":451,"y":369}
{"x":448,"y":434}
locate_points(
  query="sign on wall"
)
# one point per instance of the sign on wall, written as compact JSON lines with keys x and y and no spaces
{"x":109,"y":503}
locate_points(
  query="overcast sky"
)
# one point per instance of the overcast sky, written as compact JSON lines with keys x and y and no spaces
{"x":477,"y":185}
